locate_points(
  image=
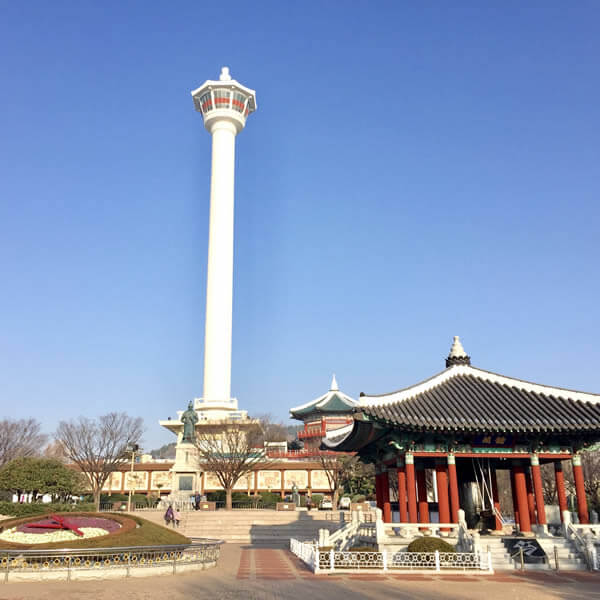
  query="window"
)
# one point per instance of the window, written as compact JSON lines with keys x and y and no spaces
{"x":206,"y":102}
{"x":222,"y":98}
{"x":238,"y":102}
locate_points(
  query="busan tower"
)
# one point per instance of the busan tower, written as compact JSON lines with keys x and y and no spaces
{"x":225,"y":105}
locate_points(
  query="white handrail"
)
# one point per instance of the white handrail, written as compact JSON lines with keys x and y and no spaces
{"x":584,"y":546}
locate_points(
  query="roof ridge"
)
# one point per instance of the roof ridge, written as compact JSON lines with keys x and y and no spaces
{"x":541,"y":385}
{"x":363,"y":395}
{"x":463,"y":370}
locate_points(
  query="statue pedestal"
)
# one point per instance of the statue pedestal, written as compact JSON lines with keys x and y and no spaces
{"x":186,"y":470}
{"x":186,"y":458}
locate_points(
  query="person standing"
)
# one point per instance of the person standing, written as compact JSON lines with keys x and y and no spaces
{"x":169,"y":515}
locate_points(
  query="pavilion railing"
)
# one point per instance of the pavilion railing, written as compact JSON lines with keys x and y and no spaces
{"x":369,"y":528}
{"x":351,"y":561}
{"x":360,"y":529}
{"x":127,"y":558}
{"x":584,"y":543}
{"x":407,"y":530}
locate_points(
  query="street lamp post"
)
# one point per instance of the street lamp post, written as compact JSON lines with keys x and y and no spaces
{"x":133,"y":448}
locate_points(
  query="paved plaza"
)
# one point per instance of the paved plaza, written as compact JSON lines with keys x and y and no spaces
{"x":252,"y":573}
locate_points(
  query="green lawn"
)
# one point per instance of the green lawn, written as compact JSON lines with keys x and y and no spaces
{"x":144,"y":534}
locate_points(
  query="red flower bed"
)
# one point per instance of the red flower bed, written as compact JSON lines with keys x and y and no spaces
{"x":108,"y":524}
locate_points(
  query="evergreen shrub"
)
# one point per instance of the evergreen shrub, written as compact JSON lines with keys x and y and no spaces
{"x":269,"y":499}
{"x":316,"y":499}
{"x":430,"y":544}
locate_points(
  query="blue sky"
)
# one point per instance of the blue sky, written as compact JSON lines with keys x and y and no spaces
{"x":414,"y":171}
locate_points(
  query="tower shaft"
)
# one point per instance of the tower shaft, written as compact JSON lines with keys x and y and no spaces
{"x":219,"y":287}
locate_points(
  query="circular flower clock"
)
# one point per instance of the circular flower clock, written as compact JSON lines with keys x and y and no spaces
{"x":55,"y":528}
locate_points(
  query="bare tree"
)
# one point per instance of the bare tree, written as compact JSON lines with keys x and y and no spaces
{"x":273,"y":431}
{"x":358,"y":478}
{"x":20,"y":438}
{"x":56,"y":451}
{"x":99,"y":446}
{"x":548,"y":483}
{"x":337,"y":467}
{"x":590,"y":462}
{"x":231,"y":450}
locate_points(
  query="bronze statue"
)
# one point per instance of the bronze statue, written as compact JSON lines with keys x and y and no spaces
{"x":189,"y":419}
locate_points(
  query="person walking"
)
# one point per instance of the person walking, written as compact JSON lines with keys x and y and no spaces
{"x":176,"y":518}
{"x":169,"y":515}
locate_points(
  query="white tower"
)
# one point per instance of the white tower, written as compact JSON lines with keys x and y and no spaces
{"x":224,"y":104}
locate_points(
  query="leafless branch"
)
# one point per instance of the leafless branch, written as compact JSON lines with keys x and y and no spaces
{"x":99,"y":446}
{"x":20,"y":438}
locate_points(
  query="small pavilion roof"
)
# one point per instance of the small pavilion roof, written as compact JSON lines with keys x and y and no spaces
{"x":332,"y":402}
{"x":464,"y":398}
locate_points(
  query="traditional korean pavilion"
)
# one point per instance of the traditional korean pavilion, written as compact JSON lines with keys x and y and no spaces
{"x":324,"y":415}
{"x":465,"y":424}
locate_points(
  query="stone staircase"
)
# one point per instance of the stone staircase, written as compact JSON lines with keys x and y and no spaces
{"x":568,"y":558}
{"x":267,"y":528}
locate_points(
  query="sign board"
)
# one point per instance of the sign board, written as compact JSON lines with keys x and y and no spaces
{"x":532,"y":551}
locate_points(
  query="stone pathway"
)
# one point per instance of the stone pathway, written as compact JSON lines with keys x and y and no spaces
{"x":250,"y":573}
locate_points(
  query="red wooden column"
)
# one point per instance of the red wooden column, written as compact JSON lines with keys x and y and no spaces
{"x":496,"y":497}
{"x":560,"y":488}
{"x":411,"y":494}
{"x":536,"y":475}
{"x":401,"y":474}
{"x":582,"y":509}
{"x":454,"y":501}
{"x":513,"y":487}
{"x":385,"y":492}
{"x":441,"y":476}
{"x":422,"y":492}
{"x":530,"y":497}
{"x":378,"y":488}
{"x":521,"y":492}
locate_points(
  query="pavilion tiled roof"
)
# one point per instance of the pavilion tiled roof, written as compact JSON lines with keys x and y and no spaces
{"x":464,"y":398}
{"x":332,"y":402}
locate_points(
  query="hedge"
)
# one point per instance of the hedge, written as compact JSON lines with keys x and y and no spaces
{"x":14,"y":509}
{"x":430,"y":544}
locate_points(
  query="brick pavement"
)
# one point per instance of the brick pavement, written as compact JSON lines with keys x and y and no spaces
{"x":251,"y":573}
